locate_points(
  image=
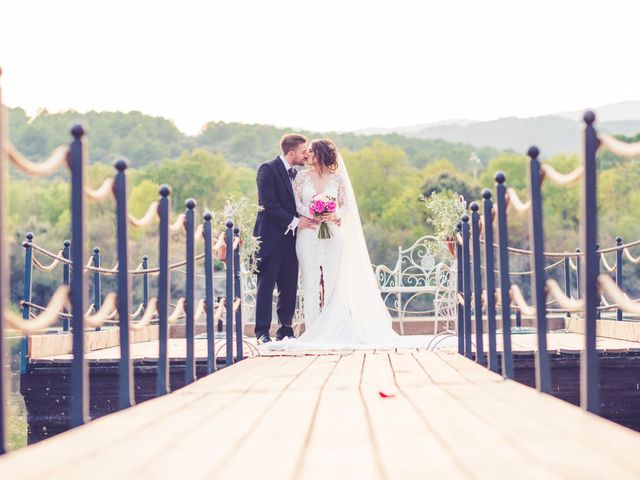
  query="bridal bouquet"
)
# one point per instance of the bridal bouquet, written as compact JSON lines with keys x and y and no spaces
{"x":320,"y":205}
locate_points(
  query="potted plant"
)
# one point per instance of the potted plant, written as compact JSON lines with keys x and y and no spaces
{"x":445,"y":210}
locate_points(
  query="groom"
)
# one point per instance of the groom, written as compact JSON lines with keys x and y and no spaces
{"x":276,"y":225}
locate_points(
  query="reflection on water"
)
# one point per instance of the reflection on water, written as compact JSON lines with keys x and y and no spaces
{"x":17,"y":418}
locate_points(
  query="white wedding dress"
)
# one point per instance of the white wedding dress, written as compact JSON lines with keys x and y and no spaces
{"x":343,"y":308}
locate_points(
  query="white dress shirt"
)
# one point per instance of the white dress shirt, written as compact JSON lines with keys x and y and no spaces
{"x":294,"y":223}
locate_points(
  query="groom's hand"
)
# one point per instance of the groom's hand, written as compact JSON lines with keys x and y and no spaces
{"x":306,"y":222}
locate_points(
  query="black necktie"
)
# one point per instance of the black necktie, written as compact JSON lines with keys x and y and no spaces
{"x":292,"y":173}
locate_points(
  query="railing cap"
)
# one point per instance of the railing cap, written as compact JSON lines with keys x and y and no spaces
{"x":67,"y":243}
{"x":190,"y":203}
{"x":121,"y":165}
{"x":207,"y":216}
{"x":533,"y":151}
{"x":500,"y":177}
{"x":77,"y":131}
{"x":96,"y":249}
{"x":465,"y":218}
{"x":29,"y":236}
{"x":229,"y":224}
{"x":486,"y":194}
{"x":589,"y":117}
{"x":236,"y":230}
{"x":474,"y":207}
{"x":164,"y":190}
{"x":619,"y":240}
{"x":145,"y":258}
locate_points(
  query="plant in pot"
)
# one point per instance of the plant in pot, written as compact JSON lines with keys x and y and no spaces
{"x":445,"y":210}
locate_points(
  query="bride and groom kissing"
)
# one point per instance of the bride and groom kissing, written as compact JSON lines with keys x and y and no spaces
{"x":342,"y":305}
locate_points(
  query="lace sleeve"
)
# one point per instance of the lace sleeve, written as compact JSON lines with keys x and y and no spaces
{"x":342,"y":199}
{"x":297,"y":192}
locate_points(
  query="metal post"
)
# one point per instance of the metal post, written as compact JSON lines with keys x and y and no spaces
{"x":543,"y":371}
{"x":79,"y":375}
{"x":190,"y":365}
{"x":619,"y":271}
{"x":477,"y":280}
{"x":125,"y":383}
{"x":208,"y":276}
{"x":567,"y":276}
{"x":490,"y":279}
{"x":460,"y":309}
{"x":466,"y":285}
{"x":589,"y":394}
{"x":505,"y":283}
{"x":237,"y":288}
{"x":26,"y":310}
{"x":229,"y":293}
{"x":4,"y":283}
{"x":578,"y":273}
{"x":162,"y":380}
{"x":66,"y":279}
{"x":598,"y":260}
{"x":145,"y":282}
{"x":97,"y":282}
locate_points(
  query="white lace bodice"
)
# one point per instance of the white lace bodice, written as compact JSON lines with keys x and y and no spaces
{"x":304,"y":191}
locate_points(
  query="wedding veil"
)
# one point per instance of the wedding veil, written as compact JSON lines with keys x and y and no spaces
{"x":356,"y":280}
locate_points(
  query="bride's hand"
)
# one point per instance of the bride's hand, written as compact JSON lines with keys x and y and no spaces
{"x":329,"y":217}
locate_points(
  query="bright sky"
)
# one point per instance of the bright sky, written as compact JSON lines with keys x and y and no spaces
{"x":322,"y":65}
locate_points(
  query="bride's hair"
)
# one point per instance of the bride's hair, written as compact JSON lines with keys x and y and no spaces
{"x":326,"y":153}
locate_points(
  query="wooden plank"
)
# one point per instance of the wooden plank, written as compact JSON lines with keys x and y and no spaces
{"x":97,"y":437}
{"x":277,"y":441}
{"x":339,"y":443}
{"x":407,"y":449}
{"x":436,"y":370}
{"x":477,"y":450}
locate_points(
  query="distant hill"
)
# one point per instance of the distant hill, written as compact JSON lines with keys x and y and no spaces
{"x":553,"y":134}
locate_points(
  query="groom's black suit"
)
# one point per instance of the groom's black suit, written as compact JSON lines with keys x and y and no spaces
{"x":277,"y":261}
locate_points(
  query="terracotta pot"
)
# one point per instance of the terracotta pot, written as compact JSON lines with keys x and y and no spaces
{"x":451,"y":245}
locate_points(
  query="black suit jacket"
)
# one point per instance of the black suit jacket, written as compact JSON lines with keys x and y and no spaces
{"x":275,"y":196}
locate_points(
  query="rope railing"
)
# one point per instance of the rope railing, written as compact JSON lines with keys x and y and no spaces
{"x":179,"y":311}
{"x":58,"y":158}
{"x":514,"y":200}
{"x":59,"y":300}
{"x":149,"y":315}
{"x":618,"y":147}
{"x":104,"y":191}
{"x":47,"y":268}
{"x":178,"y":224}
{"x":109,"y":306}
{"x":562,"y":179}
{"x":609,"y":288}
{"x":146,"y":220}
{"x":606,"y":264}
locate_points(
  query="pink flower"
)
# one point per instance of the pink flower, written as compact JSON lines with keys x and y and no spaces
{"x":318,"y":206}
{"x":312,"y":211}
{"x":331,"y":207}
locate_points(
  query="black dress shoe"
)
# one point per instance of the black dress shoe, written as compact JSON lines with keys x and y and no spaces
{"x":263,"y":339}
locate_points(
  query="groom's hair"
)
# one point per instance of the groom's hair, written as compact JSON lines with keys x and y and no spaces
{"x":290,"y":141}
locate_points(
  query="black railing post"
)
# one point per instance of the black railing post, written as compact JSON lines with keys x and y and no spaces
{"x":125,"y":381}
{"x":477,"y":280}
{"x":164,"y":209}
{"x":229,"y":293}
{"x":619,"y":271}
{"x":567,"y":276}
{"x":4,"y":280}
{"x":578,"y":273}
{"x":79,"y":375}
{"x":97,"y":282}
{"x":466,"y":285}
{"x":145,"y":282}
{"x":190,"y":366}
{"x":490,"y":279}
{"x":26,"y":310}
{"x":505,"y":282}
{"x":598,"y":260}
{"x":589,"y":394}
{"x":543,"y":371}
{"x":460,"y":309}
{"x":208,"y":276}
{"x":237,"y":288}
{"x":66,"y":279}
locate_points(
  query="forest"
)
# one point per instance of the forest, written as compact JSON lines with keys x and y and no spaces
{"x":389,"y":173}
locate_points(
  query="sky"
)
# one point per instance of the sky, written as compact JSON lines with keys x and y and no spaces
{"x":321,"y":65}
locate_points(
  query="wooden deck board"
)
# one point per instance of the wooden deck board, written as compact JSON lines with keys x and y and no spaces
{"x":323,"y":416}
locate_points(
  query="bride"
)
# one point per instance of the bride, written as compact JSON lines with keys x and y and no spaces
{"x":343,"y":308}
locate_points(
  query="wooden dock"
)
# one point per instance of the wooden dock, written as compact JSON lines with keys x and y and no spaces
{"x":383,"y":414}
